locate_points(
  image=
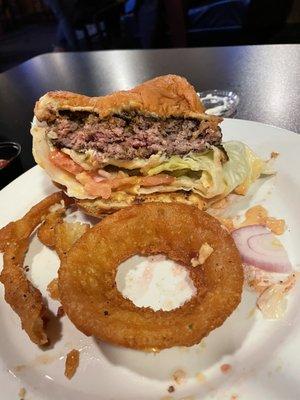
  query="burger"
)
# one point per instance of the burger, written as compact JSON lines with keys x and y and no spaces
{"x":151,"y":143}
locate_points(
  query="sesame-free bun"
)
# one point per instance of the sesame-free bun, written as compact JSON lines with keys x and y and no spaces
{"x":99,"y":207}
{"x":163,"y":97}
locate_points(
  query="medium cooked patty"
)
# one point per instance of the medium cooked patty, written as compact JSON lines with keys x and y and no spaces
{"x":129,"y":136}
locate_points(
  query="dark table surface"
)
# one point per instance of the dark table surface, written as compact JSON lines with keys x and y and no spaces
{"x":265,"y":77}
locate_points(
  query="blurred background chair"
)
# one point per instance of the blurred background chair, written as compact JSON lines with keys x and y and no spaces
{"x":219,"y":21}
{"x":32,"y":27}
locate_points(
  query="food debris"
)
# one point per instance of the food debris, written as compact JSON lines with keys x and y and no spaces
{"x":273,"y":301}
{"x":60,"y":312}
{"x":259,"y":280}
{"x":258,"y":215}
{"x":234,"y":397}
{"x":225,"y":368}
{"x":171,"y":389}
{"x":259,"y":285}
{"x":276,"y":226}
{"x":204,"y":252}
{"x":200,"y":377}
{"x":179,"y":376}
{"x":274,"y":154}
{"x":22,"y":393}
{"x":52,"y":289}
{"x":72,"y":362}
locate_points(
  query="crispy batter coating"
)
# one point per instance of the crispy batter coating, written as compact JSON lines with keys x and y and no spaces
{"x":52,"y":289}
{"x":46,"y":232}
{"x":87,"y":274}
{"x":20,"y":294}
{"x":23,"y":227}
{"x":60,"y":235}
{"x":66,"y":234}
{"x":5,"y":236}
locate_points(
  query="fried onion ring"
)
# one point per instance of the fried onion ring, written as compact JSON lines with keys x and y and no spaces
{"x":59,"y":234}
{"x":88,"y":291}
{"x":20,"y":294}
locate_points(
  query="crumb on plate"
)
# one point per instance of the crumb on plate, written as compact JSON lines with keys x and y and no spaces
{"x":72,"y":362}
{"x":179,"y":376}
{"x":274,"y":154}
{"x":22,"y":393}
{"x":171,"y":389}
{"x":200,"y":377}
{"x":225,"y":368}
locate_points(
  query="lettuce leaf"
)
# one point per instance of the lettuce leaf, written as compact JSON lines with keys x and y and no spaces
{"x":214,"y":177}
{"x":243,"y":166}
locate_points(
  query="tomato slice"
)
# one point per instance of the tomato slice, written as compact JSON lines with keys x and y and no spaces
{"x":63,"y":161}
{"x":157,"y":180}
{"x":95,"y":189}
{"x":104,"y":188}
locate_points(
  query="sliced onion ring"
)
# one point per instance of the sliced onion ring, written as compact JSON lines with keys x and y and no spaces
{"x":261,"y":248}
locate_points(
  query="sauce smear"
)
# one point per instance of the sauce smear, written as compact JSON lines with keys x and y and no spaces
{"x":258,"y":215}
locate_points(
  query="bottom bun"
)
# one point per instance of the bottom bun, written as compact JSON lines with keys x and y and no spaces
{"x":119,"y":200}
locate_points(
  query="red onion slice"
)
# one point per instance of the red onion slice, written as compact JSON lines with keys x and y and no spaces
{"x":261,"y":248}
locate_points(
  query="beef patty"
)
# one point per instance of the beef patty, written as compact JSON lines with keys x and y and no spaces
{"x":129,"y":136}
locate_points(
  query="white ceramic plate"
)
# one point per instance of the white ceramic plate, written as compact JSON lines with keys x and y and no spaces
{"x":264,"y":355}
